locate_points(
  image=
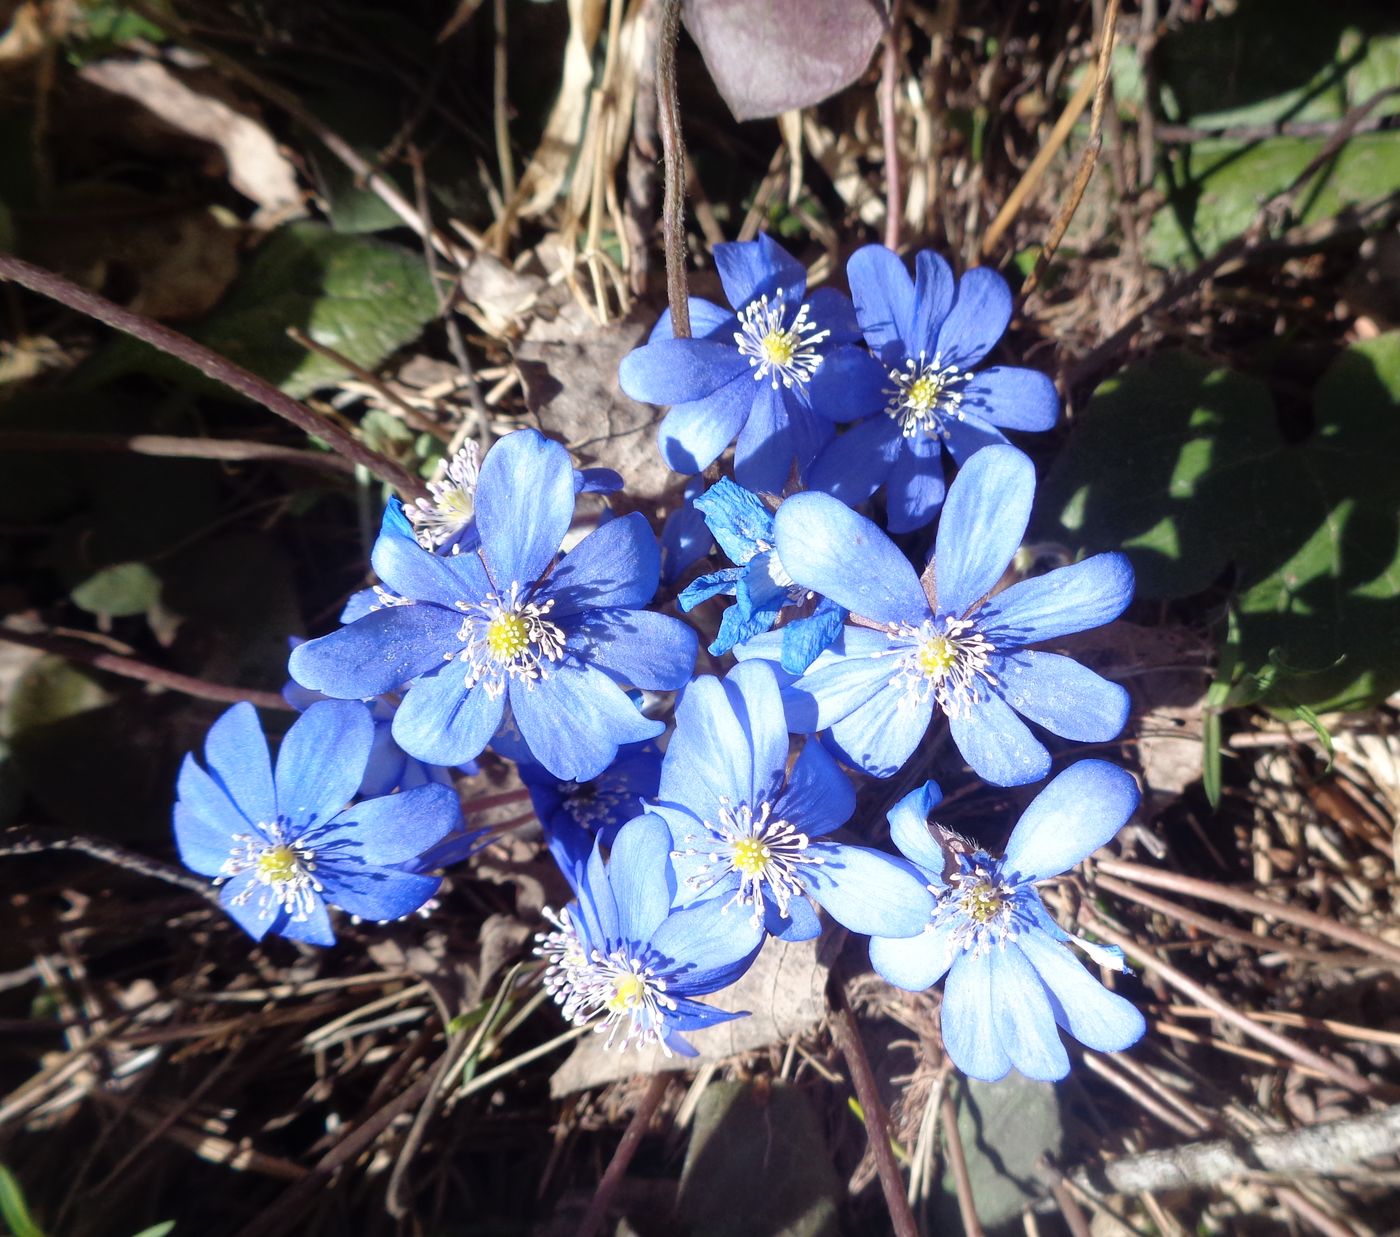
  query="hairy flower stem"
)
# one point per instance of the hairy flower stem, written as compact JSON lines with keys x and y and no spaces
{"x":622,"y":1158}
{"x":212,"y":365}
{"x":673,"y":150}
{"x":889,"y":124}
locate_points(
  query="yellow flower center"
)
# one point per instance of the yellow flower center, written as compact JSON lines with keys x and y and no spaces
{"x":779,"y":347}
{"x":628,"y":993}
{"x":507,"y":636}
{"x":277,"y":865}
{"x":937,"y":655}
{"x":982,"y":902}
{"x":751,"y":856}
{"x":923,"y":392}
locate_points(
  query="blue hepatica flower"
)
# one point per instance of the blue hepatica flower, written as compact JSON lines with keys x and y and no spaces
{"x":929,"y":335}
{"x":599,"y":806}
{"x":620,"y":954}
{"x":965,"y":653}
{"x":685,"y":539}
{"x":761,"y":588}
{"x":750,"y":834}
{"x":1011,"y":977}
{"x":283,"y":845}
{"x":504,"y":623}
{"x":747,"y":372}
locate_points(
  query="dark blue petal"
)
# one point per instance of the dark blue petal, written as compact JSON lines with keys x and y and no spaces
{"x":693,"y":1016}
{"x":639,"y":869}
{"x":909,"y":830}
{"x":1016,"y":399}
{"x":1066,"y":698}
{"x":856,"y":464}
{"x":680,"y":371}
{"x":741,"y":622}
{"x":203,"y":845}
{"x":321,"y":761}
{"x":443,"y":722}
{"x":833,"y":312}
{"x":597,"y":481}
{"x":969,"y":434}
{"x":818,"y":797}
{"x":867,"y":892}
{"x":1024,"y":1020}
{"x":882,"y":734}
{"x":394,"y":828}
{"x":411,"y":571}
{"x":378,"y":894}
{"x":1097,"y":1018}
{"x":685,"y":539}
{"x":209,"y":803}
{"x":808,"y":433}
{"x":388,"y":764}
{"x":236,"y":754}
{"x":914,"y":963}
{"x":933,"y":297}
{"x":989,"y":504}
{"x":805,"y":638}
{"x":524,"y":506}
{"x":706,"y":319}
{"x":998,"y":744}
{"x":849,"y":383}
{"x":256,"y":915}
{"x":1081,"y":810}
{"x":637,"y":647}
{"x":828,"y":548}
{"x":970,"y":1034}
{"x":378,"y":653}
{"x":702,"y":588}
{"x":738,"y":518}
{"x":615,"y":565}
{"x":709,"y":755}
{"x":709,"y":946}
{"x":575,"y":720}
{"x":764,"y":453}
{"x":750,"y":269}
{"x":1069,"y":599}
{"x":884,"y":298}
{"x":692,"y":435}
{"x":977,"y":320}
{"x":916,"y":484}
{"x":315,"y":929}
{"x":802,"y":922}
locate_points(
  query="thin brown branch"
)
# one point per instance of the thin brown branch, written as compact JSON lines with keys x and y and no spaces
{"x":673,"y":149}
{"x":169,"y":446}
{"x":131,"y":668}
{"x":621,"y":1160}
{"x":1186,"y":134}
{"x":209,"y":363}
{"x":35,"y":841}
{"x":957,"y":1161}
{"x":889,"y":126}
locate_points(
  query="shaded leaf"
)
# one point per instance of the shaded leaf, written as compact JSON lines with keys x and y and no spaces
{"x":119,"y":591}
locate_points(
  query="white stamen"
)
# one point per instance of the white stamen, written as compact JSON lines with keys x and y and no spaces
{"x":440,"y":518}
{"x":788,"y":353}
{"x":507,"y":638}
{"x":926,"y":396}
{"x":948,"y":661}
{"x":284,"y":872}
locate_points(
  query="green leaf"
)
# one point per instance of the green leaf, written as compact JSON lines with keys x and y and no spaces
{"x":13,"y":1209}
{"x":119,"y":591}
{"x":757,"y":1166}
{"x":158,"y":1230}
{"x":1006,"y":1127}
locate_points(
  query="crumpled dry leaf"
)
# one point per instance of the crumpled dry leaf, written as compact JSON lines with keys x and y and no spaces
{"x":256,"y":167}
{"x":785,"y":992}
{"x":497,"y":296}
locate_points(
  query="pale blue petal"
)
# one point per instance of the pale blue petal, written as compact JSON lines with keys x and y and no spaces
{"x":575,"y":720}
{"x":210,"y":804}
{"x":315,"y":929}
{"x":235,"y":752}
{"x":378,"y":653}
{"x":615,"y":565}
{"x":637,"y":647}
{"x":1058,"y":693}
{"x":977,"y":320}
{"x":1097,"y":1018}
{"x":805,"y":639}
{"x":702,"y":588}
{"x":914,"y":963}
{"x":680,"y":371}
{"x":835,"y":689}
{"x":639,"y":869}
{"x":1013,"y":398}
{"x":802,"y":923}
{"x":395,"y":828}
{"x":866,"y":891}
{"x":442,"y":722}
{"x":855,"y":465}
{"x":204,"y":845}
{"x":711,"y":946}
{"x":1071,"y":818}
{"x":377,"y":894}
{"x":909,"y":830}
{"x":411,"y":571}
{"x":321,"y":761}
{"x":998,"y":744}
{"x":709,"y":754}
{"x":737,"y":518}
{"x":750,"y":269}
{"x":883,"y":294}
{"x":828,"y":548}
{"x":970,"y":1034}
{"x":692,"y":435}
{"x":1079,"y":597}
{"x":752,"y":692}
{"x":524,"y":506}
{"x":1024,"y":1020}
{"x":883,"y":733}
{"x":916,"y":487}
{"x":706,"y":319}
{"x":255,"y":914}
{"x":819,"y":797}
{"x":989,"y":504}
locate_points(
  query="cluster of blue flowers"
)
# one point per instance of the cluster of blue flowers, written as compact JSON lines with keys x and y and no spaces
{"x":687,"y":845}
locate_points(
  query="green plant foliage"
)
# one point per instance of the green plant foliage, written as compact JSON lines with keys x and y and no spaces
{"x":757,"y":1166}
{"x":1182,"y":465}
{"x":119,"y":591}
{"x":13,"y":1209}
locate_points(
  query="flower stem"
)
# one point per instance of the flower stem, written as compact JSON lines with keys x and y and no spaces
{"x":622,"y":1157}
{"x":673,"y":150}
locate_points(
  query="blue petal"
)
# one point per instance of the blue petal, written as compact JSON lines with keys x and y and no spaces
{"x":970,"y":1034}
{"x":637,"y":647}
{"x":833,"y":312}
{"x":710,"y":947}
{"x":764,"y":453}
{"x":977,"y":320}
{"x":709,"y":755}
{"x":692,"y":435}
{"x":693,"y":1016}
{"x":360,"y":603}
{"x":1016,"y":399}
{"x":969,"y":434}
{"x":998,"y":745}
{"x":378,"y":894}
{"x":378,"y":653}
{"x":210,"y":803}
{"x":597,"y":905}
{"x":752,"y":692}
{"x":524,"y":506}
{"x":443,"y":722}
{"x":680,"y":371}
{"x":685,"y":539}
{"x":640,"y":871}
{"x":849,"y":383}
{"x":702,"y":588}
{"x":315,"y":929}
{"x":738,"y":518}
{"x":615,"y":565}
{"x":807,"y":432}
{"x":1071,"y":818}
{"x":884,"y":299}
{"x":411,"y":571}
{"x":321,"y":761}
{"x":804,"y":639}
{"x":866,"y":891}
{"x":750,"y":269}
{"x":857,"y":463}
{"x":909,"y":830}
{"x":882,"y":734}
{"x":1069,"y":599}
{"x":236,"y":754}
{"x":575,"y":720}
{"x":835,"y":689}
{"x":706,"y":319}
{"x":1024,"y":1020}
{"x":203,"y":845}
{"x":741,"y":622}
{"x":387,"y":766}
{"x":597,"y":481}
{"x":916,"y":486}
{"x":254,"y":915}
{"x":989,"y":504}
{"x":818,"y":797}
{"x":802,"y":922}
{"x":914,"y":963}
{"x":933,"y":297}
{"x":1066,"y":698}
{"x":1096,"y":1017}
{"x":394,"y":828}
{"x":828,"y":548}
